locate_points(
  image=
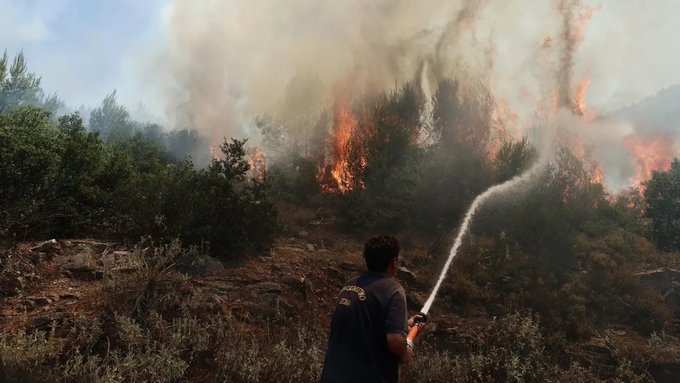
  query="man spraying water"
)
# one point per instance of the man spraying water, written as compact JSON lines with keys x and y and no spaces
{"x":369,"y":328}
{"x":368,"y":341}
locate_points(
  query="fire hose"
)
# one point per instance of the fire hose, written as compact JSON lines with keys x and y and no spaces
{"x":418,"y":323}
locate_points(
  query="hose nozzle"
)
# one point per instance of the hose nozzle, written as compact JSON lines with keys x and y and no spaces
{"x":418,"y":322}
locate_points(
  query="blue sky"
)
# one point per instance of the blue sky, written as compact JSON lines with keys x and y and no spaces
{"x":84,"y":49}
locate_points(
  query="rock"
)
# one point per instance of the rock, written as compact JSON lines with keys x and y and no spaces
{"x":203,"y":265}
{"x":310,"y":247}
{"x":81,"y":266}
{"x":34,"y":302}
{"x":270,"y":306}
{"x":108,"y":261}
{"x":266,"y":288}
{"x":37,"y":257}
{"x":346,"y":265}
{"x":47,"y":246}
{"x":69,"y":297}
{"x":303,"y":234}
{"x":406,"y":275}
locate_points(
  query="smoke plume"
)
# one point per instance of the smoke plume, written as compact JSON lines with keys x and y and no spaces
{"x":228,"y":62}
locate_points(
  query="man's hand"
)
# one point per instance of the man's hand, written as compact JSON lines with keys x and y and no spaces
{"x":412,"y":320}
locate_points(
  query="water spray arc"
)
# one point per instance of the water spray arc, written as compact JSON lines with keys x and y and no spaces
{"x":421,"y":318}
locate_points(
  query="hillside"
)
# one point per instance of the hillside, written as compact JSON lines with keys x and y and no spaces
{"x":122,"y":313}
{"x":125,"y":259}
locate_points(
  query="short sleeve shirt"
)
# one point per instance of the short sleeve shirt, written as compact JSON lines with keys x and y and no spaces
{"x":369,"y":307}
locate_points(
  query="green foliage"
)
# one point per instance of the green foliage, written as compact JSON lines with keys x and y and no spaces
{"x":62,"y":180}
{"x":663,"y":207}
{"x":77,"y":194}
{"x":188,"y":143}
{"x":294,"y":179}
{"x":30,"y":155}
{"x":19,"y":87}
{"x":111,"y":119}
{"x":233,"y":204}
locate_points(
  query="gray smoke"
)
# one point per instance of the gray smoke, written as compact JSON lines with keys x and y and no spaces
{"x":228,"y":62}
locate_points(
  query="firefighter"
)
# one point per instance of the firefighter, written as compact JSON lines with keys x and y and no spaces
{"x":367,"y":340}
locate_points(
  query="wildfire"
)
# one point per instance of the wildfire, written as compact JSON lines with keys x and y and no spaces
{"x":596,"y":173}
{"x":338,"y":177}
{"x":258,"y":163}
{"x":580,"y":99}
{"x":651,"y":154}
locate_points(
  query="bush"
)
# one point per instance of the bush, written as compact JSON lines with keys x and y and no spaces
{"x":63,"y":181}
{"x":154,"y":326}
{"x":511,"y":349}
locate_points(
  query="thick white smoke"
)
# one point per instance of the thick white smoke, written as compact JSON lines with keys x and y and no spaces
{"x":230,"y":61}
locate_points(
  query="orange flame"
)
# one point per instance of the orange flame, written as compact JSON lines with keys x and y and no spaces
{"x":580,"y":99}
{"x":651,"y":154}
{"x":338,"y":177}
{"x":258,"y":163}
{"x":597,"y":173}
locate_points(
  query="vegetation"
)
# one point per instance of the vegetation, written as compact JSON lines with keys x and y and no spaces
{"x":59,"y":179}
{"x":563,"y":249}
{"x":663,"y":207}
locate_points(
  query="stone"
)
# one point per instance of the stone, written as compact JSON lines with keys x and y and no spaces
{"x":266,"y":288}
{"x":81,"y":266}
{"x":47,"y":246}
{"x":203,"y":265}
{"x":667,"y":282}
{"x":407,"y":275}
{"x":346,"y":265}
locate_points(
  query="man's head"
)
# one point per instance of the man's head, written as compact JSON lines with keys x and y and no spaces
{"x":380,"y":251}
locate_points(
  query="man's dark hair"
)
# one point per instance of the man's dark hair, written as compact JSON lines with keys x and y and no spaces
{"x":379,"y":251}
